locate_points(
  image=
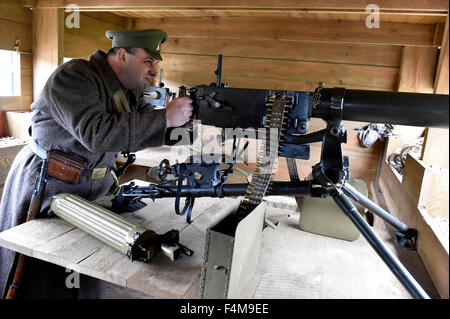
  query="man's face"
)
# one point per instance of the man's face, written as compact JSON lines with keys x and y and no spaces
{"x":140,"y":69}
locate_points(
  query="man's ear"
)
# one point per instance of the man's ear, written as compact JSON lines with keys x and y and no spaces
{"x":122,"y":55}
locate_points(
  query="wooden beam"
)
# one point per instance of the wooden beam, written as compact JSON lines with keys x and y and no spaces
{"x":417,"y":69}
{"x":48,"y":32}
{"x":439,"y":33}
{"x":435,"y":150}
{"x":434,"y":17}
{"x":441,"y":81}
{"x":418,"y":11}
{"x":427,"y":186}
{"x":422,"y":5}
{"x":432,"y":249}
{"x":273,"y":30}
{"x":287,"y":50}
{"x":12,"y":103}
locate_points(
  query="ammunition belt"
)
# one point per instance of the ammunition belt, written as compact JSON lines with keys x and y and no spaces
{"x":267,"y":156}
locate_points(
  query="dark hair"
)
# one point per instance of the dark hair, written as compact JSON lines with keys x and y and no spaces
{"x":113,"y":51}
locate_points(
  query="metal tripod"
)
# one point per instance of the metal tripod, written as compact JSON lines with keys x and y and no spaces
{"x":339,"y":194}
{"x":331,"y":173}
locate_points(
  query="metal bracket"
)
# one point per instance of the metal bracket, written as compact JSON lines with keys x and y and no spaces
{"x":407,"y":238}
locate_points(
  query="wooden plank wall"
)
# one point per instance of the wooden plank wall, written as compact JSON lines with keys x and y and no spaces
{"x":82,"y":42}
{"x":16,"y":23}
{"x":441,"y":83}
{"x":277,"y":53}
{"x":47,"y":45}
{"x":292,"y":54}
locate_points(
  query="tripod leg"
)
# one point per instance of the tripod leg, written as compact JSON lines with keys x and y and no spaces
{"x":405,"y":237}
{"x":390,"y":260}
{"x":374,"y":208}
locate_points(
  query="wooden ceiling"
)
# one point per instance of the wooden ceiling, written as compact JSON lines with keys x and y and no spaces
{"x":409,"y":17}
{"x":414,"y":11}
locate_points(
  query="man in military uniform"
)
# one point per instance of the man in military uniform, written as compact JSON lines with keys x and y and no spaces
{"x":92,"y":109}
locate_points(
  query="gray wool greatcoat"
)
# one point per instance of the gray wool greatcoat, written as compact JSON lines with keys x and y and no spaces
{"x":76,"y":113}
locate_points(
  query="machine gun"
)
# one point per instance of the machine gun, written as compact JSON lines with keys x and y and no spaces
{"x":288,"y":113}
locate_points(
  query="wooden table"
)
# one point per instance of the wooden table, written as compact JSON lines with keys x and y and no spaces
{"x":292,"y":263}
{"x":56,"y":241}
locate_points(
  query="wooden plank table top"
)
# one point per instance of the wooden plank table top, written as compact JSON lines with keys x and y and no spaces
{"x":292,"y":263}
{"x":56,"y":241}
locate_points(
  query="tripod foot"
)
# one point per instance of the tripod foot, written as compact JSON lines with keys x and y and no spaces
{"x":407,"y":238}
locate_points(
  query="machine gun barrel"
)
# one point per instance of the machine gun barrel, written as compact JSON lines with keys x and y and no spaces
{"x":157,"y":191}
{"x":129,"y":197}
{"x":276,"y":189}
{"x":412,"y":109}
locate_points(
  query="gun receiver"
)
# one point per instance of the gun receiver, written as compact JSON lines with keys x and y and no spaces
{"x":244,"y":108}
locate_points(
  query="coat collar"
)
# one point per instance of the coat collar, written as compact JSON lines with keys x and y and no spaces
{"x":109,"y":77}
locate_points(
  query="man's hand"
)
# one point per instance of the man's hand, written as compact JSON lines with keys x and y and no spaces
{"x":179,"y":111}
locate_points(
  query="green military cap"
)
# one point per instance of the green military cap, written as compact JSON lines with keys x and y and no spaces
{"x":150,"y":40}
